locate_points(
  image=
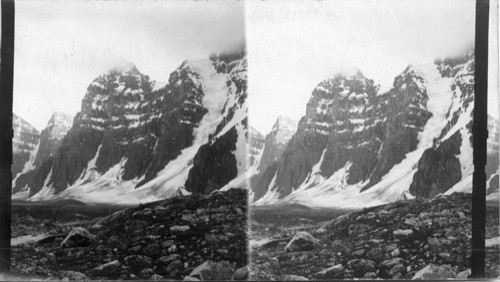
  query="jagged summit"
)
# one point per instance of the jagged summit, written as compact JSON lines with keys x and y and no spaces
{"x":284,"y":128}
{"x":60,"y":118}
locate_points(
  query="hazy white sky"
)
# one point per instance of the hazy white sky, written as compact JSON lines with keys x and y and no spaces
{"x":293,"y":45}
{"x":61,"y":46}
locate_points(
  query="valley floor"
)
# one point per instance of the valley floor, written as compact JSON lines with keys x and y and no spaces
{"x":396,"y":240}
{"x":161,"y":240}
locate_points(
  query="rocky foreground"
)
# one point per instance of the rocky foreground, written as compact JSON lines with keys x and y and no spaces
{"x":185,"y":237}
{"x":420,"y":238}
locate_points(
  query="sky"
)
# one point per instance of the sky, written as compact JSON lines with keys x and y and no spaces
{"x":293,"y":45}
{"x":61,"y":46}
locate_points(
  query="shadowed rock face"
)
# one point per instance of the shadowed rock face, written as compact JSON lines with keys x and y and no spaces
{"x":214,"y":165}
{"x":438,"y":169}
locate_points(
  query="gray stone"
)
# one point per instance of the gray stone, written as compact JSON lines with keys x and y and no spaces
{"x":434,"y":272}
{"x":210,"y":270}
{"x":179,"y":228}
{"x":138,"y":261}
{"x":109,"y":268}
{"x":294,"y":278}
{"x":402,"y":232}
{"x":390,"y":263}
{"x":361,"y":264}
{"x":329,"y":273}
{"x":302,"y":241}
{"x":241,"y":273}
{"x":78,"y":237}
{"x":464,"y":274}
{"x":74,"y":275}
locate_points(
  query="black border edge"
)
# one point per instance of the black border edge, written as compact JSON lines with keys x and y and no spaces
{"x":480,"y":135}
{"x":6,"y":131}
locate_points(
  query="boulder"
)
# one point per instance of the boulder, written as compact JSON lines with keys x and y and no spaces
{"x":390,"y":263}
{"x":330,"y":273}
{"x":210,"y":270}
{"x":464,"y":274}
{"x":179,"y":228}
{"x":402,"y":232}
{"x":138,"y":261}
{"x":435,"y":272}
{"x":106,"y":269}
{"x":294,"y":278}
{"x":156,"y":277}
{"x":78,"y":237}
{"x":361,"y":264}
{"x":376,"y":254}
{"x":74,"y":275}
{"x":166,"y":260}
{"x":302,"y":241}
{"x":241,"y":273}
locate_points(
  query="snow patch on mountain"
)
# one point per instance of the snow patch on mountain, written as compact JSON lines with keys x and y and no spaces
{"x":47,"y":191}
{"x":29,"y":165}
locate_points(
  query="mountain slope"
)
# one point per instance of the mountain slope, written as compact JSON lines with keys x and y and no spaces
{"x":25,"y":145}
{"x":50,"y":140}
{"x":136,"y":141}
{"x":357,"y":147}
{"x":274,"y":145}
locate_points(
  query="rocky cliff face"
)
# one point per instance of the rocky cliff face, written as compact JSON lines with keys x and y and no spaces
{"x":224,"y":157}
{"x":51,"y":137}
{"x":135,"y":140}
{"x":50,"y":141}
{"x":453,"y":146}
{"x":359,"y":146}
{"x":274,"y":145}
{"x":25,"y":145}
{"x":256,"y":147}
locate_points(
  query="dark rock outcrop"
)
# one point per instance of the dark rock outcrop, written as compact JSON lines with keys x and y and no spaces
{"x":214,"y":165}
{"x":438,"y":169}
{"x":224,"y":157}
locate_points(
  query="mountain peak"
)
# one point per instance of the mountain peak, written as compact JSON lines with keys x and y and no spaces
{"x":284,"y":121}
{"x":60,"y":118}
{"x":284,"y":128}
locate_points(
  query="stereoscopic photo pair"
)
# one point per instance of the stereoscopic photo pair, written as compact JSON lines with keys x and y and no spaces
{"x":259,"y":140}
